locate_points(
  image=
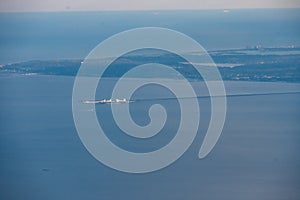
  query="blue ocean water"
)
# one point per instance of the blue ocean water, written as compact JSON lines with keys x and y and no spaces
{"x":30,"y":36}
{"x":42,"y":156}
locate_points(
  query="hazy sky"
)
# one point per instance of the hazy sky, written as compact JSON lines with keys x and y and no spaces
{"x":61,"y":5}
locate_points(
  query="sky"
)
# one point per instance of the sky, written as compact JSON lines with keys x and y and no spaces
{"x":100,"y":5}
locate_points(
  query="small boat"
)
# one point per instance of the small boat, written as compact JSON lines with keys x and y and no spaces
{"x":104,"y":101}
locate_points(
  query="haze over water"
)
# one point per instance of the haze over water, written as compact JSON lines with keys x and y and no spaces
{"x":57,"y":35}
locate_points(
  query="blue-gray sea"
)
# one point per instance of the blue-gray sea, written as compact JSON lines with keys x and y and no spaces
{"x":42,"y":156}
{"x":57,"y":35}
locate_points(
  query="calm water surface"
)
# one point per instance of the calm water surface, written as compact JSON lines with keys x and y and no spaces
{"x":42,"y":157}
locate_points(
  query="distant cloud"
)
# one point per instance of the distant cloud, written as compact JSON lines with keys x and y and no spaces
{"x":89,"y":5}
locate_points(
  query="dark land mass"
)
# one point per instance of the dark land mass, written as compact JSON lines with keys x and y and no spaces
{"x":250,"y":64}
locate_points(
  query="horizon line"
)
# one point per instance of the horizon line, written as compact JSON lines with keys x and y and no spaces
{"x":146,"y":10}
